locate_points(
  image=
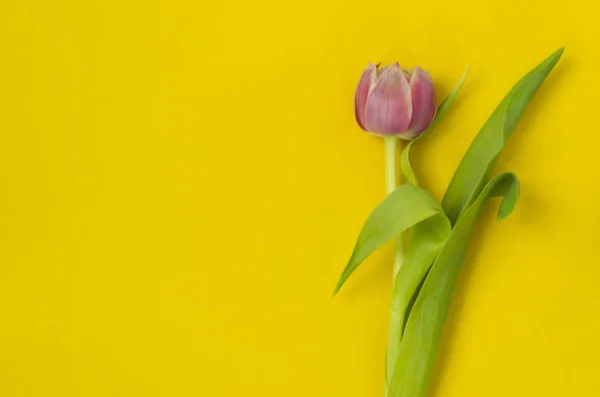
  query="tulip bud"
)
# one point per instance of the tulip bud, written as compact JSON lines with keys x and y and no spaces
{"x":391,"y":101}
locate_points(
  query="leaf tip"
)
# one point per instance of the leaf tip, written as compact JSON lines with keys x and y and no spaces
{"x":510,"y":197}
{"x":339,"y":285}
{"x":502,"y":216}
{"x":335,"y":291}
{"x":556,"y":55}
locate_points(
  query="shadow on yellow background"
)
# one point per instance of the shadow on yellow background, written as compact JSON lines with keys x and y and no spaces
{"x":183,"y":182}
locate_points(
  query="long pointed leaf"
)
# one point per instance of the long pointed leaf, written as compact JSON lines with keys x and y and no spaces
{"x":478,"y":163}
{"x":425,"y":240}
{"x":403,"y":208}
{"x":424,"y":327}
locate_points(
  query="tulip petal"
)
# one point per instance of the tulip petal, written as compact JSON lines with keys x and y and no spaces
{"x":389,"y":105}
{"x":424,"y":101}
{"x":362,"y":92}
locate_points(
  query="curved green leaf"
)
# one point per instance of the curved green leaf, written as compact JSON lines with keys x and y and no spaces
{"x":479,"y":161}
{"x":406,"y":170}
{"x":421,"y":337}
{"x":425,"y":240}
{"x":403,"y":208}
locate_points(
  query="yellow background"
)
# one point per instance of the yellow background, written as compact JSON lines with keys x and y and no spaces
{"x":183,"y":181}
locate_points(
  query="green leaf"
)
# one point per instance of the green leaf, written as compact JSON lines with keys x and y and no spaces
{"x":425,"y":240}
{"x":421,"y":337}
{"x":403,"y":208}
{"x":406,"y":170}
{"x":479,"y":161}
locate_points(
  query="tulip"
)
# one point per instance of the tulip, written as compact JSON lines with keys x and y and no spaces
{"x":390,"y":101}
{"x":395,"y":104}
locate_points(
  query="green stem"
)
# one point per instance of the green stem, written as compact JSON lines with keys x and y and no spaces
{"x":391,"y":148}
{"x":391,"y":183}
